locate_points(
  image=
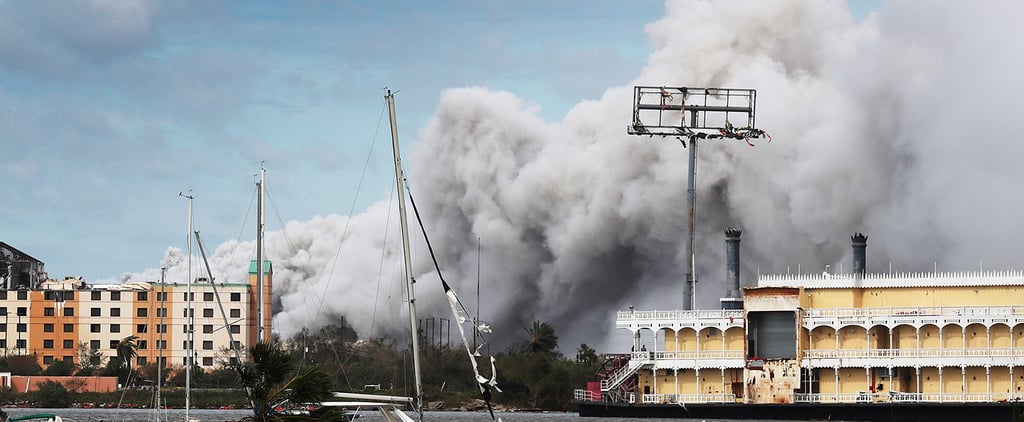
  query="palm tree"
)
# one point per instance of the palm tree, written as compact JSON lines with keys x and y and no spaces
{"x":126,"y":351}
{"x":542,"y":338}
{"x":274,"y":379}
{"x":586,"y":354}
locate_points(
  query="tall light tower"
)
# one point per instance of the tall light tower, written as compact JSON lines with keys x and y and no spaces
{"x":689,"y":115}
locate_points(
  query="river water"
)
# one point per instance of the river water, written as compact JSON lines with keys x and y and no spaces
{"x":207,"y":415}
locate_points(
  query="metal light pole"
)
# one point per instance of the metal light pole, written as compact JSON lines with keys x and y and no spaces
{"x":689,"y":115}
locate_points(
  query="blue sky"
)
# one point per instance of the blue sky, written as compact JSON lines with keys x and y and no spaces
{"x":108,"y":110}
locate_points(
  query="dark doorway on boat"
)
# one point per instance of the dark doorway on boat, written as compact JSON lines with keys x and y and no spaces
{"x":771,"y":335}
{"x":809,"y":381}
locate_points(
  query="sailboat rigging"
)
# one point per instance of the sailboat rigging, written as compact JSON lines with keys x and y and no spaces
{"x":459,"y":312}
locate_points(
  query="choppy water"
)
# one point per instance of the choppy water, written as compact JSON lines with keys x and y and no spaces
{"x":205,"y":415}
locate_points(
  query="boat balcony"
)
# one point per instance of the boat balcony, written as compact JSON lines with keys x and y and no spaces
{"x":931,"y":357}
{"x":898,"y":397}
{"x":675,"y":320}
{"x":913,"y":316}
{"x":688,"y":398}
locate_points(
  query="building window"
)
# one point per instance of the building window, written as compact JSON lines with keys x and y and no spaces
{"x":22,"y":327}
{"x":236,"y":313}
{"x":185,"y":296}
{"x":3,"y":343}
{"x":3,"y":294}
{"x":208,"y":313}
{"x":47,"y":328}
{"x":161,"y":312}
{"x":162,"y":345}
{"x":96,"y":296}
{"x":161,"y":328}
{"x":115,"y":296}
{"x":141,"y":328}
{"x":235,"y":329}
{"x":94,"y":345}
{"x":94,"y":328}
{"x":69,"y":311}
{"x":208,"y":296}
{"x":237,"y":345}
{"x":47,"y":360}
{"x":69,"y":328}
{"x":236,"y":297}
{"x":115,"y":312}
{"x":186,"y":328}
{"x":47,"y":344}
{"x":115,"y":328}
{"x":94,"y":312}
{"x":233,"y":360}
{"x":3,"y":309}
{"x":142,"y":345}
{"x":3,"y":327}
{"x":69,"y":344}
{"x":207,"y":329}
{"x":70,"y":360}
{"x":207,"y":345}
{"x":161,"y":296}
{"x":142,"y":312}
{"x":142,"y":361}
{"x":22,"y":311}
{"x":185,"y":345}
{"x":185,"y":312}
{"x":207,"y":361}
{"x":114,"y":343}
{"x":69,"y":295}
{"x":22,"y":343}
{"x":48,"y":311}
{"x":22,"y":295}
{"x":143,"y":296}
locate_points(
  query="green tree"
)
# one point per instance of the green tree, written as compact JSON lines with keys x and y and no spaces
{"x":542,"y":338}
{"x":23,"y":365}
{"x":59,"y":368}
{"x":51,"y":394}
{"x":89,"y":359}
{"x":275,"y":379}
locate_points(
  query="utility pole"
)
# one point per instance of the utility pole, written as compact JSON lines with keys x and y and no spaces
{"x":691,"y":114}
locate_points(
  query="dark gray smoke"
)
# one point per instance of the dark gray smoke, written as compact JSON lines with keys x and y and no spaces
{"x":900,"y":126}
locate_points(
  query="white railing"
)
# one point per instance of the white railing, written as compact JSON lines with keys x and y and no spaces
{"x":689,"y":398}
{"x":913,"y":353}
{"x":679,"y":315}
{"x":944,"y":311}
{"x":585,"y":395}
{"x":945,"y":278}
{"x":896,"y":396}
{"x":702,"y":354}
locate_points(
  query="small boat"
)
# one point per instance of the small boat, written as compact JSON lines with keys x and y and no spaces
{"x":42,"y":417}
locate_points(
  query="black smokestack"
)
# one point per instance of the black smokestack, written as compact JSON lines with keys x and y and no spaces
{"x":732,"y":269}
{"x":860,"y":244}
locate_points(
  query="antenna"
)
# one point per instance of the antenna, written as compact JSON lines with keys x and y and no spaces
{"x":690,"y":114}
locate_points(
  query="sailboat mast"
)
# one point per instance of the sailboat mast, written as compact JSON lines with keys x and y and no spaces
{"x":409,"y":282}
{"x":259,"y":256}
{"x":188,"y":310}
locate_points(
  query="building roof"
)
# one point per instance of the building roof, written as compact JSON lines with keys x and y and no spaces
{"x":895,"y":280}
{"x":10,"y":253}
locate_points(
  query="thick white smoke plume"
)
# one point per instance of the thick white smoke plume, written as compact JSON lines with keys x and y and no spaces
{"x":900,"y":126}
